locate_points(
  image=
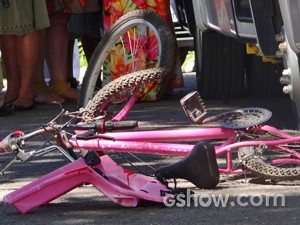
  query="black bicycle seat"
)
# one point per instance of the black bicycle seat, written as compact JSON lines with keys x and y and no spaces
{"x":199,"y":167}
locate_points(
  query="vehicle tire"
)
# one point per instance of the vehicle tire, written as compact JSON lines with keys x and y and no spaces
{"x":145,"y":21}
{"x":123,"y":83}
{"x":219,"y":65}
{"x":263,"y":78}
{"x":262,"y":165}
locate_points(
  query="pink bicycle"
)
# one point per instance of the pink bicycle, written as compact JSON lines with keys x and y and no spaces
{"x":245,"y":143}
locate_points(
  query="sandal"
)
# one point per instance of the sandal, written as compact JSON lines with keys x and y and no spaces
{"x":7,"y":108}
{"x":43,"y":95}
{"x":64,"y":90}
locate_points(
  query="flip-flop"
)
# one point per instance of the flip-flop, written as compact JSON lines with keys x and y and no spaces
{"x":6,"y":110}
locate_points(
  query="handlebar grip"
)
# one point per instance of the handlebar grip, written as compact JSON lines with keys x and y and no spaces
{"x":108,"y":125}
{"x":120,"y":125}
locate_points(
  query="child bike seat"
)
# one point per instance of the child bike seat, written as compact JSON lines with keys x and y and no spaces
{"x":199,"y":167}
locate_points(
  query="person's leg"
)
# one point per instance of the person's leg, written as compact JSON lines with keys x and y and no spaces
{"x":57,"y":45}
{"x":41,"y":90}
{"x":27,"y":57}
{"x":9,"y":55}
{"x":20,"y":60}
{"x":57,"y":56}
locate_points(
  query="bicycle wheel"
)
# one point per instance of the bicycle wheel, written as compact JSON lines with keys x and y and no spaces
{"x":278,"y":164}
{"x":226,"y":78}
{"x":105,"y":95}
{"x":127,"y":38}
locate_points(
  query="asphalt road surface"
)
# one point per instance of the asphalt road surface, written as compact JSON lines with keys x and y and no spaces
{"x":236,"y":200}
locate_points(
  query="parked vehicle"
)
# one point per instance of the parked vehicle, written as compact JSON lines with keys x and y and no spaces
{"x":244,"y":46}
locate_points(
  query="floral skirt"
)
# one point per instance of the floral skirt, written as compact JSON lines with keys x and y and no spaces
{"x":113,"y":10}
{"x":73,"y":6}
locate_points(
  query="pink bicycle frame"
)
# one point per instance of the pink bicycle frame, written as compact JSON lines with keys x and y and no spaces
{"x":155,"y":142}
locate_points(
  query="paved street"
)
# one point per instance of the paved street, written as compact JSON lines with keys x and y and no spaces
{"x":247,"y":201}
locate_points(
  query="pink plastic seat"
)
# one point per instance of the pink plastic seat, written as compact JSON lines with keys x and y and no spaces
{"x":122,"y":186}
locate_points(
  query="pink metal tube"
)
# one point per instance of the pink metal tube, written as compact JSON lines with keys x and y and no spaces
{"x":126,"y":108}
{"x":133,"y":147}
{"x":193,"y":134}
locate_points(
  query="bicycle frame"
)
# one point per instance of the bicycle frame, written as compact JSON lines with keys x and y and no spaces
{"x":156,"y":142}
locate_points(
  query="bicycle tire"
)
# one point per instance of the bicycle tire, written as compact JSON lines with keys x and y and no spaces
{"x":226,"y":78}
{"x":121,"y":84}
{"x":262,"y":78}
{"x":164,"y":36}
{"x":261,"y":168}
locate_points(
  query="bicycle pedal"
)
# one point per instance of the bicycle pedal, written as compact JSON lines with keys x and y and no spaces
{"x":193,"y":107}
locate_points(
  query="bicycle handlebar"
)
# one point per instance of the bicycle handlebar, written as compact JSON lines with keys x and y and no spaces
{"x":120,"y":125}
{"x":106,"y":125}
{"x":12,"y":141}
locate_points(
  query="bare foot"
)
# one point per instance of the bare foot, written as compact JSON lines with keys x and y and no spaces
{"x":46,"y":98}
{"x":70,"y":94}
{"x":25,"y":102}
